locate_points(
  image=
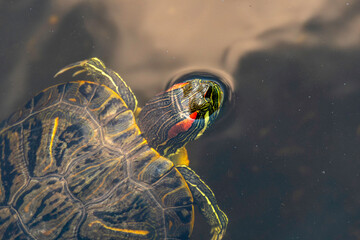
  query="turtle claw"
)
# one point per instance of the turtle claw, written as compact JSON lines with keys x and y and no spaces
{"x":78,"y":72}
{"x":218,"y":230}
{"x":217,"y":233}
{"x":85,"y":65}
{"x":71,"y":66}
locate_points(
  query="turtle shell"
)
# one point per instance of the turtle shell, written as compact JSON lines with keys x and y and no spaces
{"x":74,"y":165}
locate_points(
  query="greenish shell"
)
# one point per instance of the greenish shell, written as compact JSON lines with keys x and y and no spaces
{"x":74,"y":165}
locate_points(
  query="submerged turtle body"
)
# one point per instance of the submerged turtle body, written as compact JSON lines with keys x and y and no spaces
{"x":74,"y":165}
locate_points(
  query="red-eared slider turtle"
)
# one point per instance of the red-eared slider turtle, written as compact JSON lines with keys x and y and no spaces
{"x":75,"y":163}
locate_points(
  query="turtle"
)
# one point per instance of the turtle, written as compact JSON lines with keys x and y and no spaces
{"x":80,"y":160}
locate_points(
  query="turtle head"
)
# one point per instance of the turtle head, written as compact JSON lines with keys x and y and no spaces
{"x":182,"y":113}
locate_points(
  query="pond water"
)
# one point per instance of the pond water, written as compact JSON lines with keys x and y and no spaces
{"x":285,"y":162}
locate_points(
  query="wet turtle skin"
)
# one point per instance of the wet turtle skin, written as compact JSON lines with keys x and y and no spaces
{"x":74,"y":165}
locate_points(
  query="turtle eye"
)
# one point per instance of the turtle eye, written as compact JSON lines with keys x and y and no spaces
{"x":224,"y":81}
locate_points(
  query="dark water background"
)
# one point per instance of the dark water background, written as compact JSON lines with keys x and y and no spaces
{"x":286,"y":165}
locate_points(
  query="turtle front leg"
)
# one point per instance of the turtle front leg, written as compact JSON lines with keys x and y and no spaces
{"x":204,"y":198}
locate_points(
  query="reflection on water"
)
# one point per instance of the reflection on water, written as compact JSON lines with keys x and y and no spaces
{"x":286,"y":165}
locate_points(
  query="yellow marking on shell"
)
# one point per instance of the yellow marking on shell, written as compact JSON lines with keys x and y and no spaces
{"x":192,"y":221}
{"x":122,"y":198}
{"x":102,"y":183}
{"x":90,"y":167}
{"x":113,"y":95}
{"x":27,"y":206}
{"x":72,"y":99}
{"x":56,"y":122}
{"x":141,"y":173}
{"x":83,"y":146}
{"x":48,"y":232}
{"x":192,"y":200}
{"x":136,"y":146}
{"x":121,"y":132}
{"x":171,"y":192}
{"x":82,"y":82}
{"x":93,"y":136}
{"x":137,"y":232}
{"x":154,"y":158}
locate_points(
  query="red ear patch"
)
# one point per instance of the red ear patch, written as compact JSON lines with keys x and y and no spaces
{"x":193,"y":115}
{"x":182,"y":126}
{"x":176,"y":86}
